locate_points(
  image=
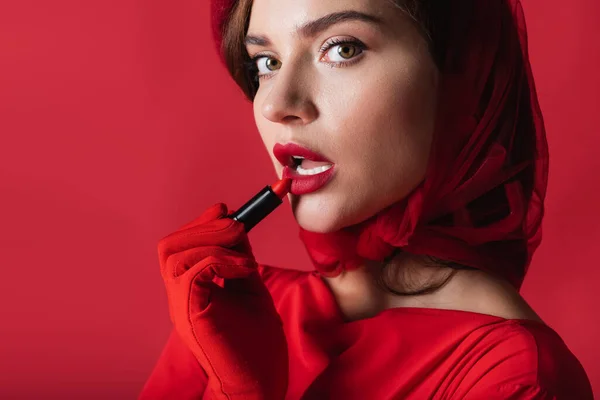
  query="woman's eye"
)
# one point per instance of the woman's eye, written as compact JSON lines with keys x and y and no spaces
{"x":345,"y":51}
{"x":271,"y":64}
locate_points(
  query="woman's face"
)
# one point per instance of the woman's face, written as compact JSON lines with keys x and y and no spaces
{"x":368,"y":110}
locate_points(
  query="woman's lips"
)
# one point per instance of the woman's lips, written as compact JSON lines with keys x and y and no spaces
{"x":284,"y":153}
{"x":303,"y":184}
{"x":312,"y":165}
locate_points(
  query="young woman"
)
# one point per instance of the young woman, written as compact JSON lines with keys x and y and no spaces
{"x":417,"y":152}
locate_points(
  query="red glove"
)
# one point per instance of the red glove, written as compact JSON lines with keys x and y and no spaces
{"x":233,"y":330}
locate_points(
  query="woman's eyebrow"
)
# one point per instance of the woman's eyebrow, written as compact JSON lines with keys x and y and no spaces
{"x":313,"y":28}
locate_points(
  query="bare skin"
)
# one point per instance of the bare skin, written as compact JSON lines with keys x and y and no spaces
{"x":370,"y":111}
{"x":476,"y":291}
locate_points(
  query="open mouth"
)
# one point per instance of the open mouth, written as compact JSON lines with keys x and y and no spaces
{"x":309,"y":167}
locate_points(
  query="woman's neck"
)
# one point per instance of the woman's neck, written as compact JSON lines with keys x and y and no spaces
{"x":359,"y":296}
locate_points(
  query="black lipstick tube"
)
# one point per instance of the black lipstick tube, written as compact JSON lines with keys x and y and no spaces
{"x":257,"y":208}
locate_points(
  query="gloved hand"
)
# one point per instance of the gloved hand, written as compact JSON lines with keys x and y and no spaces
{"x":233,"y":330}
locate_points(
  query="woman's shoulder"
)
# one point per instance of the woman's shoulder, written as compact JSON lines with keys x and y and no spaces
{"x":558,"y":369}
{"x":530,"y":359}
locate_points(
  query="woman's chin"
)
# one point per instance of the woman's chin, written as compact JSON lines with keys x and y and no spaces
{"x":320,"y":222}
{"x":316,"y":225}
{"x":325,"y":216}
{"x":317,"y":222}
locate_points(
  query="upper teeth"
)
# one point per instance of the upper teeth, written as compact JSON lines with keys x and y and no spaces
{"x":313,"y":171}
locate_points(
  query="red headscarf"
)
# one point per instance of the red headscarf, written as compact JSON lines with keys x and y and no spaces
{"x":481,"y":203}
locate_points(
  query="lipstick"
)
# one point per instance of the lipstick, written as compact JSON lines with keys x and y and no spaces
{"x":262,"y":204}
{"x":288,"y":156}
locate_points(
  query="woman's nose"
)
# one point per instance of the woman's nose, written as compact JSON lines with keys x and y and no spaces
{"x":290,"y":97}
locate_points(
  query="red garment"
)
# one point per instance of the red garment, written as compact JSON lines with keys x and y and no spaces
{"x":481,"y":203}
{"x":401,"y":353}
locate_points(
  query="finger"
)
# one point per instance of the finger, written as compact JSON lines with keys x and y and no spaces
{"x":223,"y":233}
{"x":224,"y":267}
{"x":205,"y":271}
{"x":242,"y":284}
{"x":212,"y":213}
{"x":182,"y":261}
{"x":250,"y":292}
{"x":196,"y":286}
{"x":243,"y":246}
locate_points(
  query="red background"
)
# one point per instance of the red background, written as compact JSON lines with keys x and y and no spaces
{"x":114,"y":117}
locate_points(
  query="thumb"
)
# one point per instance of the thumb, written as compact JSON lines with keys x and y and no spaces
{"x":214,"y":212}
